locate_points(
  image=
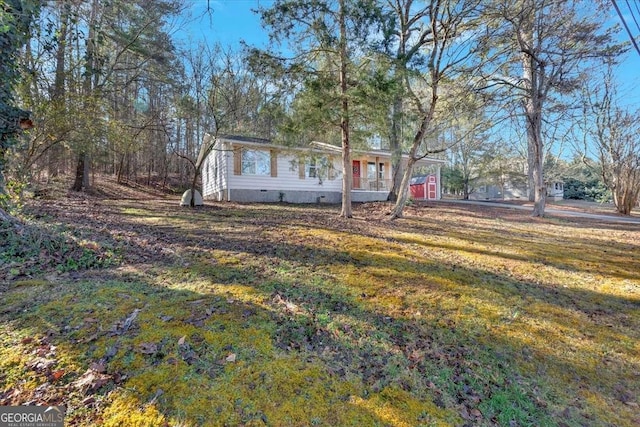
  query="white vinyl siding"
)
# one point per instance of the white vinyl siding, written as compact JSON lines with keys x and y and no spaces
{"x":214,"y":169}
{"x":287,"y":176}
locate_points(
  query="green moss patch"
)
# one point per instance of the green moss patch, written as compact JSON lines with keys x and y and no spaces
{"x":283,"y":315}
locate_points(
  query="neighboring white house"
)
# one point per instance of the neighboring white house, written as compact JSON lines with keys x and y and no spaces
{"x":555,"y":190}
{"x":509,"y":191}
{"x":244,"y":169}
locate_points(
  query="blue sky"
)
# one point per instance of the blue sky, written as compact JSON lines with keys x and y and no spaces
{"x":233,"y":21}
{"x":230,"y":22}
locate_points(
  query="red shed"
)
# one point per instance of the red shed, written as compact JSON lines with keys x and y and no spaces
{"x":424,"y":187}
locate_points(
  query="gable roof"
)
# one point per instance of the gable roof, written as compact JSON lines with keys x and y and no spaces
{"x":320,"y":146}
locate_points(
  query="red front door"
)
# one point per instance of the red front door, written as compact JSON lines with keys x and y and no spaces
{"x":356,"y":174}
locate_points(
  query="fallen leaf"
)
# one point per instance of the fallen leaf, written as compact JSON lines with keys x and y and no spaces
{"x":416,"y":356}
{"x":182,"y":339}
{"x":56,"y":375}
{"x":129,"y":320}
{"x":159,"y":393}
{"x":464,"y":413}
{"x":41,"y":364}
{"x":90,"y":338}
{"x":91,"y":380}
{"x":148,"y":348}
{"x":476,"y":413}
{"x":99,"y":366}
{"x":111,"y":352}
{"x":231,"y":358}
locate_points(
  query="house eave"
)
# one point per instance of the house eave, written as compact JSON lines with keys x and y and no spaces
{"x":376,"y":153}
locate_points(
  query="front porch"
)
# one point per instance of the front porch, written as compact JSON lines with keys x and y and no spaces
{"x":366,"y":184}
{"x":371,"y":174}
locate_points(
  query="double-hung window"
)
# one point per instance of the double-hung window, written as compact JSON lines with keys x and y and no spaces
{"x":371,"y":171}
{"x":256,"y":162}
{"x":312,"y":167}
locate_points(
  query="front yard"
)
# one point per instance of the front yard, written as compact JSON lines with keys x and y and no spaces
{"x":287,"y":315}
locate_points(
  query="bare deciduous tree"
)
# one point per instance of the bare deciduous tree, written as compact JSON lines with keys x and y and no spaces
{"x":444,"y":55}
{"x":543,"y":49}
{"x":615,"y":142}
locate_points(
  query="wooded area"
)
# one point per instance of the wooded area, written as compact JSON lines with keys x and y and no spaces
{"x":110,"y":89}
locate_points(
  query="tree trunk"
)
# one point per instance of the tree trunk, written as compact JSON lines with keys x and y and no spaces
{"x":534,"y":137}
{"x":120,"y":170}
{"x":58,"y":92}
{"x":625,"y":193}
{"x":82,"y":168}
{"x":395,"y":146}
{"x":192,"y":202}
{"x":86,"y":183}
{"x":403,"y":196}
{"x":347,"y":171}
{"x":79,"y":180}
{"x":530,"y":166}
{"x":540,"y":188}
{"x":3,"y":187}
{"x":532,"y":74}
{"x":404,"y":189}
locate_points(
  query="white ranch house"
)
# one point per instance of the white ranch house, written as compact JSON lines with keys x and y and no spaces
{"x":243,"y":169}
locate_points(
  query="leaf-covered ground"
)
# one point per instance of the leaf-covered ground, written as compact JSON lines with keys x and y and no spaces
{"x":287,"y":315}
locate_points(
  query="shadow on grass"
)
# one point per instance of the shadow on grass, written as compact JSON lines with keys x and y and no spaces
{"x":616,"y":222}
{"x":204,"y":357}
{"x":445,"y":357}
{"x":588,"y":255}
{"x":158,"y":241}
{"x":359,"y":336}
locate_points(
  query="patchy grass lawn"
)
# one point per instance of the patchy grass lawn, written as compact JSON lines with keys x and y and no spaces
{"x":289,"y":316}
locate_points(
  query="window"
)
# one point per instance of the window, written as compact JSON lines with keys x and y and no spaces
{"x":371,"y":171}
{"x":213,"y":170}
{"x":312,"y":167}
{"x":381,"y":171}
{"x":256,"y":162}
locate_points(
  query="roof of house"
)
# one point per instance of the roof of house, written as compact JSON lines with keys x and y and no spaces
{"x":418,"y":180}
{"x":240,"y":138}
{"x":323,"y":146}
